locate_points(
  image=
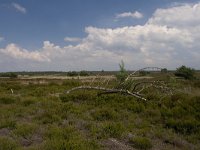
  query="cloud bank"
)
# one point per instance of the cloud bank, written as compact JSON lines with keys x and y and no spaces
{"x":169,"y":38}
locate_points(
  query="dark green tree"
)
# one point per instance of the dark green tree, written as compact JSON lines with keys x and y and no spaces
{"x":185,"y":72}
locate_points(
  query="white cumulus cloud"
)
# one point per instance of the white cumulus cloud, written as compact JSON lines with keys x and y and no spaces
{"x":135,"y":14}
{"x":169,"y":38}
{"x":72,"y":39}
{"x":16,"y":52}
{"x":19,"y":8}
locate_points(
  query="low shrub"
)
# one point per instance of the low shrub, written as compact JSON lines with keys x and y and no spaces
{"x":7,"y":144}
{"x":78,"y":97}
{"x":154,"y":115}
{"x":71,"y":83}
{"x":39,"y":91}
{"x":136,"y":107}
{"x":25,"y":130}
{"x":113,"y":130}
{"x":48,"y":118}
{"x":142,"y":143}
{"x":197,"y":84}
{"x":104,"y":114}
{"x":28,"y":102}
{"x":66,"y":138}
{"x":7,"y":123}
{"x":183,"y":126}
{"x":7,"y":100}
{"x":179,"y":112}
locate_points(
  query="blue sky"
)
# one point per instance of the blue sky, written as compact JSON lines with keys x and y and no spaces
{"x":25,"y":25}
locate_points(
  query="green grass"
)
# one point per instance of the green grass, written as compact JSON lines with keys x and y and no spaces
{"x":85,"y":120}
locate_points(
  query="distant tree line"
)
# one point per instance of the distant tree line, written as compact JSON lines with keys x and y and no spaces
{"x":8,"y":74}
{"x":81,"y":73}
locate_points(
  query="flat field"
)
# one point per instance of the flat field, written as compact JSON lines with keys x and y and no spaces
{"x":36,"y":115}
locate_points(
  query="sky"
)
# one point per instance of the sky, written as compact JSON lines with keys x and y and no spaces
{"x":66,"y":35}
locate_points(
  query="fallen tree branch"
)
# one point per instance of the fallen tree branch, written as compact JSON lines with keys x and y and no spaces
{"x":106,"y":90}
{"x":153,"y":68}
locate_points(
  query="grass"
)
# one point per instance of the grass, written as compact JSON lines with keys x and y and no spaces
{"x":83,"y":120}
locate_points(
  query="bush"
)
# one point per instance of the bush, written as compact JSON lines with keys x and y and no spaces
{"x":141,"y":143}
{"x":185,"y":72}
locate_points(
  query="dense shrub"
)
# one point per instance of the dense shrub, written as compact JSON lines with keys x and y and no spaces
{"x":185,"y":72}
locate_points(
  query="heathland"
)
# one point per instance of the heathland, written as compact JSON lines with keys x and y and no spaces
{"x":35,"y":113}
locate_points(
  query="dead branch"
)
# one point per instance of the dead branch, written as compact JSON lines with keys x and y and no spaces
{"x":128,"y":87}
{"x":107,"y":90}
{"x":152,"y":68}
